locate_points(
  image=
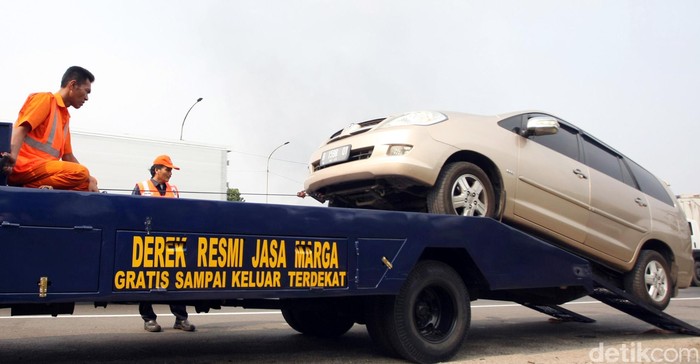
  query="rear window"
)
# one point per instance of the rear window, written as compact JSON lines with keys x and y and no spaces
{"x":649,"y":184}
{"x":605,"y":160}
{"x":602,"y":159}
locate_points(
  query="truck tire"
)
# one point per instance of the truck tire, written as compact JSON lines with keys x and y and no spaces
{"x":462,"y":188}
{"x":317,"y":321}
{"x":428,"y":320}
{"x":650,"y":280}
{"x":379,"y":308}
{"x":696,"y":273}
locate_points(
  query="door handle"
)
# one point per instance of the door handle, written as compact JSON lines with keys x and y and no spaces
{"x":580,"y":174}
{"x":640,"y":202}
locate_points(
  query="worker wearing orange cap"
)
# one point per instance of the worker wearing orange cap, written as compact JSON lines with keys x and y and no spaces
{"x":41,"y":154}
{"x":159,"y":186}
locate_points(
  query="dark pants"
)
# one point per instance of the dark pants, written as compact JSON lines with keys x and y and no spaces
{"x":146,"y":311}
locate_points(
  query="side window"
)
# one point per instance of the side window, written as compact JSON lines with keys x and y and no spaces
{"x":513,"y":123}
{"x":649,"y":184}
{"x":602,"y":159}
{"x":565,"y":141}
{"x":627,"y":175}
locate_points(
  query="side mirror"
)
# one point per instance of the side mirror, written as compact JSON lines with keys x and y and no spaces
{"x":541,"y":125}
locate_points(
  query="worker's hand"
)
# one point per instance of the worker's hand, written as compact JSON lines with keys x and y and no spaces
{"x":301,"y":193}
{"x":7,"y":163}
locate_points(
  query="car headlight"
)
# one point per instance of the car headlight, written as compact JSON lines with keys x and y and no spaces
{"x":414,"y":118}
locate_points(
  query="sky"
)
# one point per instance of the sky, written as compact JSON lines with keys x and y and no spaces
{"x":276,"y":71}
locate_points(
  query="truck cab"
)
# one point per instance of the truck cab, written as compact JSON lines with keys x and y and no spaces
{"x":694,"y":237}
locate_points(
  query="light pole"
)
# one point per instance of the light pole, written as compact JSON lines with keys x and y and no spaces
{"x":188,"y":112}
{"x":267,"y":175}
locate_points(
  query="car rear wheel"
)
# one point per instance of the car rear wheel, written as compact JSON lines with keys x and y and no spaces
{"x":650,"y":280}
{"x":462,"y":188}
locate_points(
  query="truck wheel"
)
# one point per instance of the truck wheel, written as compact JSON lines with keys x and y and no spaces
{"x":379,"y":308}
{"x":317,"y":321}
{"x":428,"y":320}
{"x":696,"y":274}
{"x":650,"y":279}
{"x":462,"y":188}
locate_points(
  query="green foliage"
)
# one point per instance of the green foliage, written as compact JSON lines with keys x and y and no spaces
{"x":233,"y":194}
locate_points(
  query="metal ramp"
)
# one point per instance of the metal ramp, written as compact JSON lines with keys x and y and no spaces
{"x":558,"y":312}
{"x":615,"y":297}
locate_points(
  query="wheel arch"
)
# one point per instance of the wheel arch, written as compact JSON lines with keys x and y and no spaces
{"x":459,"y":260}
{"x":666,"y":251}
{"x":491,"y":170}
{"x":659,"y":246}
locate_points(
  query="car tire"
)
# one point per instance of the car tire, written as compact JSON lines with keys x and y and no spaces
{"x":650,"y":280}
{"x":462,"y":188}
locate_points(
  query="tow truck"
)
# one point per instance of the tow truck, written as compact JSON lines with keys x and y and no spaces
{"x":409,"y":277}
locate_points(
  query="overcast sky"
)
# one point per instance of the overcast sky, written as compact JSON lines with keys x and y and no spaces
{"x":297,"y":71}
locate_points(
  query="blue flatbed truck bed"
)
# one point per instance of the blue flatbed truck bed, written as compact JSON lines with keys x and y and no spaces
{"x":410,"y":277}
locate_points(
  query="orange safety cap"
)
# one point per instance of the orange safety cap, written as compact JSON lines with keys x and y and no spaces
{"x":165,"y":160}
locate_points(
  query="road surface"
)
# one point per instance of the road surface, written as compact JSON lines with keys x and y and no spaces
{"x":501,"y":332}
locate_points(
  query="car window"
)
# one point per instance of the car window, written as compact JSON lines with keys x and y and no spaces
{"x":648,"y":183}
{"x":602,"y":159}
{"x":627,"y":175}
{"x":565,"y":141}
{"x":513,"y":123}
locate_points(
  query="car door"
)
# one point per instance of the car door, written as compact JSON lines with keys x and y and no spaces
{"x":552,"y":188}
{"x":620,"y":214}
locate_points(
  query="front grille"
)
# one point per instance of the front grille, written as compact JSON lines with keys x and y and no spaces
{"x":355,"y":155}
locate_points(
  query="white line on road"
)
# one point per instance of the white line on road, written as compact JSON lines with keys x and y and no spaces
{"x":276,"y":312}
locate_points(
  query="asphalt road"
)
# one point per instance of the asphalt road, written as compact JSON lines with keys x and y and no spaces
{"x":500,"y":333}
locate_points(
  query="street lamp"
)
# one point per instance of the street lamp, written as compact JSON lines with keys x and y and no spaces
{"x":267,"y":176}
{"x":188,"y":112}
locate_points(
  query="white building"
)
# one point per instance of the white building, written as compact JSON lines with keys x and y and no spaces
{"x":119,"y":162}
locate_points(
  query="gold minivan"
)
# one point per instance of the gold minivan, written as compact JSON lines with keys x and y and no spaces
{"x":532,"y":170}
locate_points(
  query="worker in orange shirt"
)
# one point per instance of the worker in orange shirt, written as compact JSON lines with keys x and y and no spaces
{"x":41,"y":155}
{"x":159,"y":186}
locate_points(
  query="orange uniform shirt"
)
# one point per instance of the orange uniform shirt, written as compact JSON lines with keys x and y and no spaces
{"x":49,"y":138}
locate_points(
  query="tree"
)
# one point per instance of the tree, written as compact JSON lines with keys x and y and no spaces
{"x":233,"y":194}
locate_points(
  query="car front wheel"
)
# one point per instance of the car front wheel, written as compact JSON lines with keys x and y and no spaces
{"x":650,"y":280}
{"x":462,"y":188}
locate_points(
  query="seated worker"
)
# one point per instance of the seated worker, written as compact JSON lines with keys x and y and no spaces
{"x":159,"y":186}
{"x":40,"y":147}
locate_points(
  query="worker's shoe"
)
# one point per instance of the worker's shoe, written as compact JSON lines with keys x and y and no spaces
{"x":183,"y":325}
{"x":151,"y":326}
